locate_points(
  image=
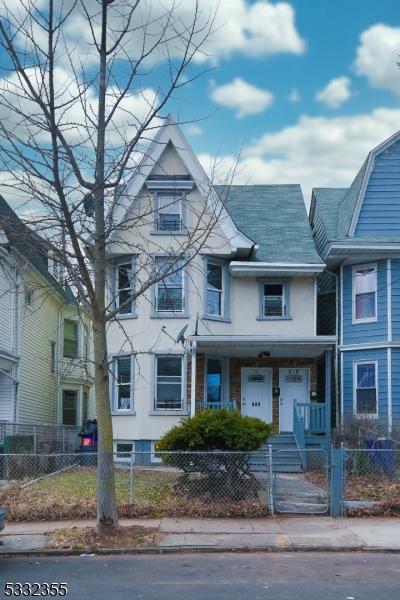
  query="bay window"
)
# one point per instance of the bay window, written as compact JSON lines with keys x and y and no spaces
{"x":124,"y":286}
{"x":169,"y":392}
{"x":169,"y":291}
{"x":364,"y":292}
{"x":215,"y":289}
{"x":123,"y":382}
{"x":70,"y":349}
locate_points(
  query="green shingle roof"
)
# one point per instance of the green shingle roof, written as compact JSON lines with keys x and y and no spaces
{"x":329,"y":200}
{"x":275,"y":218}
{"x":31,"y":246}
{"x":349,"y":202}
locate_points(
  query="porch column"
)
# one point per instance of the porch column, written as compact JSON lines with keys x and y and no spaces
{"x":328,"y":391}
{"x":193,"y":381}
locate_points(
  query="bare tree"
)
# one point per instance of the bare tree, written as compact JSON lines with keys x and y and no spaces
{"x":75,"y":117}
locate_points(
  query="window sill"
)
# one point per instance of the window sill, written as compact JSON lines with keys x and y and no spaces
{"x":216,"y":318}
{"x":169,"y":413}
{"x":171,"y":233}
{"x":274,"y":318}
{"x":169,"y":315}
{"x":122,"y":317}
{"x":361,"y":321}
{"x":123,"y":413}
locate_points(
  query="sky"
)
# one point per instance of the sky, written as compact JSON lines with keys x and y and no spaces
{"x":300,"y":91}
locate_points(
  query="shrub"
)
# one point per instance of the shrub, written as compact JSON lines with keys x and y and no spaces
{"x":216,"y":430}
{"x":215,"y":448}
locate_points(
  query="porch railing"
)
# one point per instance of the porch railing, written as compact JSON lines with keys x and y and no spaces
{"x":313,"y":415}
{"x":227,"y":404}
{"x":299,"y":430}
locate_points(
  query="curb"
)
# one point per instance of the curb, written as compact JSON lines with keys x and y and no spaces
{"x":199,"y":550}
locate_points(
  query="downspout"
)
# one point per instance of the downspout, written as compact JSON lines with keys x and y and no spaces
{"x":337,"y":353}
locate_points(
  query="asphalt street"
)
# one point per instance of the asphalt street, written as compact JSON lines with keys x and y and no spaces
{"x":256,"y":576}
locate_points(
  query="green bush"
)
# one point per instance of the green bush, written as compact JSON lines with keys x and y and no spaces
{"x":216,"y":430}
{"x":213,"y":451}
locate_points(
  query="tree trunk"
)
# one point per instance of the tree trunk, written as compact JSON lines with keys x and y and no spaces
{"x":107,"y":515}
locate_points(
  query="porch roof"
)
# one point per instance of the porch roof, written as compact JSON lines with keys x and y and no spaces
{"x":252,"y":346}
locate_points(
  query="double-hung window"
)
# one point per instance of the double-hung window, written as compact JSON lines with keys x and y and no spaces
{"x":169,"y":291}
{"x":70,"y":407}
{"x":366,"y":397}
{"x":169,"y":213}
{"x":123,"y":380}
{"x":274,"y":300}
{"x":169,"y":390}
{"x":364,"y":292}
{"x":215,"y":289}
{"x":124,"y":286}
{"x":70,"y":339}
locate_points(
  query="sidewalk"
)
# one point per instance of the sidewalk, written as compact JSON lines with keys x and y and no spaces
{"x":287,"y":533}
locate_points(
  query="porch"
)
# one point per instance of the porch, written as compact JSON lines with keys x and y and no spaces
{"x":283,"y":381}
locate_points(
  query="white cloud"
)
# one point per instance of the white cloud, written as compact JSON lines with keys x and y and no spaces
{"x":193,"y":130}
{"x":316,"y":151}
{"x":377,"y":56}
{"x":335,"y":93}
{"x":244,"y":98}
{"x":294,"y":95}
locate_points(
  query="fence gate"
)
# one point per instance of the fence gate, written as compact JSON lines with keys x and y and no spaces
{"x":301,"y":482}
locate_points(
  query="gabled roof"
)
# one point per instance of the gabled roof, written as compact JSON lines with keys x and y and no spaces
{"x":349,"y":202}
{"x":275,"y":217}
{"x":170,"y":133}
{"x":30,"y":245}
{"x":329,"y":200}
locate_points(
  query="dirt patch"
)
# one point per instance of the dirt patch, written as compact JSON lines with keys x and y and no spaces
{"x":86,"y":539}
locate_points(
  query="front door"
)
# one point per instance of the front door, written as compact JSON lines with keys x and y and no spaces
{"x":293,"y":384}
{"x":257,"y":393}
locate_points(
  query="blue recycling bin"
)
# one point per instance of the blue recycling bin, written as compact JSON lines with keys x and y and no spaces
{"x":381,"y":455}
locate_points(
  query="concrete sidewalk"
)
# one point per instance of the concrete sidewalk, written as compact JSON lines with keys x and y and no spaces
{"x":295,"y":533}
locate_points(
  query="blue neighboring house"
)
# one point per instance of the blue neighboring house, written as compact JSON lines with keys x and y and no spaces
{"x":357,"y":233}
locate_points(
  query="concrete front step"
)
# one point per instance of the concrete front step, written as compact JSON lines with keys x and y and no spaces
{"x":301,"y":508}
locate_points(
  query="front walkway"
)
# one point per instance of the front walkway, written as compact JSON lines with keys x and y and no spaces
{"x":295,"y":533}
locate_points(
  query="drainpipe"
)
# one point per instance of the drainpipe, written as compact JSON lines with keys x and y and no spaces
{"x":193,"y":380}
{"x":336,"y":362}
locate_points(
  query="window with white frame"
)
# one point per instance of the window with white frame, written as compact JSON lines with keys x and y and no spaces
{"x":70,"y":407}
{"x":215,"y":291}
{"x":70,"y":349}
{"x":124,"y":286}
{"x":274,"y":300}
{"x":366,"y":397}
{"x":169,"y":291}
{"x":123,"y":450}
{"x":169,"y":213}
{"x":169,"y":383}
{"x":156,"y":457}
{"x":364,"y":292}
{"x":123,"y":397}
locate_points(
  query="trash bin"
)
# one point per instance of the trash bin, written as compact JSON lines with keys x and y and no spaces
{"x":88,"y":445}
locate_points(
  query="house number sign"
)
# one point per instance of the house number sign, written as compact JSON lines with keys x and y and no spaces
{"x":294,"y":378}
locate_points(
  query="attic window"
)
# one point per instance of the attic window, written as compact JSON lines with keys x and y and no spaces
{"x":169,"y":213}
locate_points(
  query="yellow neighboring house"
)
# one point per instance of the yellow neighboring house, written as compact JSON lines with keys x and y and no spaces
{"x":45,"y":339}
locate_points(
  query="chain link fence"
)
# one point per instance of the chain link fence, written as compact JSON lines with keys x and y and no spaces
{"x":371,"y":481}
{"x":209,"y":484}
{"x":38,"y":439}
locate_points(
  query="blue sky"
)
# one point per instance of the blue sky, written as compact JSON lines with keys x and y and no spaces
{"x":310,"y":141}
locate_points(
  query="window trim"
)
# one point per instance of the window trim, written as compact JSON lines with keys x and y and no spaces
{"x":355,"y":387}
{"x":356,"y":268}
{"x":77,"y":404}
{"x":126,"y":459}
{"x":76,"y":323}
{"x":225,"y":304}
{"x":184,"y":407}
{"x":286,"y":297}
{"x":116,"y":263}
{"x":113,"y":385}
{"x":183,"y":314}
{"x":179,"y":195}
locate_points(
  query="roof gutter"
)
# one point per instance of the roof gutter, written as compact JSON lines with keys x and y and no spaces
{"x":258,"y":269}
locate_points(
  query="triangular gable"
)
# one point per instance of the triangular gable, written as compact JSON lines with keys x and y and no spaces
{"x":376,"y":204}
{"x":170,"y":133}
